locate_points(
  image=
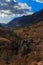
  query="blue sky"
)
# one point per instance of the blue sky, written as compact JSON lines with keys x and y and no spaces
{"x":10,"y":9}
{"x":36,"y":6}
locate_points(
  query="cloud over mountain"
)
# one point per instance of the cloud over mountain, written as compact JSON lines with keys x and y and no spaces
{"x":11,"y":7}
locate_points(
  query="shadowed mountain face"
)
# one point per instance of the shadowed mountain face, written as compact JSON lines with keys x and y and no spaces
{"x":26,"y":20}
{"x":23,"y":46}
{"x":0,"y":25}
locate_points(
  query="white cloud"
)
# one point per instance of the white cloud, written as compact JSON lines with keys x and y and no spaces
{"x":41,"y":1}
{"x":10,"y":0}
{"x":24,"y":6}
{"x":11,"y":7}
{"x":3,"y":15}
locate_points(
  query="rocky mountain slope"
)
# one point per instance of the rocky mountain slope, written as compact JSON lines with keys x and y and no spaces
{"x":22,"y":46}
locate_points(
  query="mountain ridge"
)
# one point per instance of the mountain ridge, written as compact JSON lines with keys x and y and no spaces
{"x":26,"y":20}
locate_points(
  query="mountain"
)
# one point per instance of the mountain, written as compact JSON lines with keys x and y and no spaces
{"x":23,"y":45}
{"x":2,"y":25}
{"x":26,"y":20}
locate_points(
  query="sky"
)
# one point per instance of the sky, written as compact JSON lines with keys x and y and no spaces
{"x":10,"y":9}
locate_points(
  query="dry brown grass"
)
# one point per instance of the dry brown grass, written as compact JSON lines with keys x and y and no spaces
{"x":4,"y":39}
{"x":17,"y":36}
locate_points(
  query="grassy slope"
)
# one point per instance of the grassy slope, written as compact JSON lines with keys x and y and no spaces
{"x":11,"y":43}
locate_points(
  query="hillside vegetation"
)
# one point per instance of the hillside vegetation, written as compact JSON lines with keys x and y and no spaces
{"x":22,"y":46}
